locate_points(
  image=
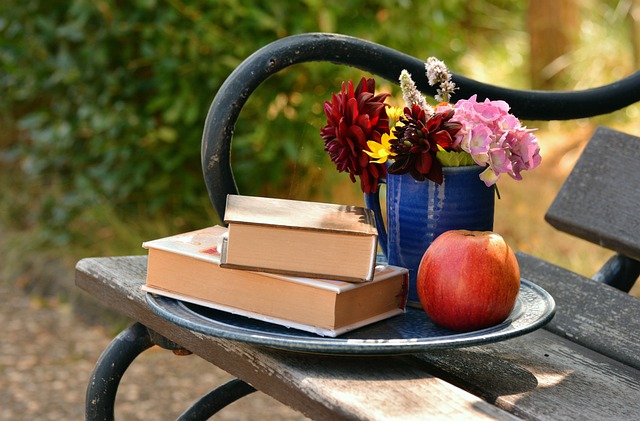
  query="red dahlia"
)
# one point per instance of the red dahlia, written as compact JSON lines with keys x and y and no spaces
{"x":417,"y":141}
{"x":353,"y":117}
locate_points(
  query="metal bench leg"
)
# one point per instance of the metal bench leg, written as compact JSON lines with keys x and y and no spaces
{"x":114,"y":361}
{"x":620,"y":272}
{"x":217,"y":399}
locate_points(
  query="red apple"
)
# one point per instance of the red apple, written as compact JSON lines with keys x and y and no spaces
{"x":468,"y":280}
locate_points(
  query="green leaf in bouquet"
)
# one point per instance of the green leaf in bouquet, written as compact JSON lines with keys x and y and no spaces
{"x":454,"y":158}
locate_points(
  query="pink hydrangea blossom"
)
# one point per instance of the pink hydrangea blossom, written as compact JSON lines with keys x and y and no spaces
{"x":495,"y":139}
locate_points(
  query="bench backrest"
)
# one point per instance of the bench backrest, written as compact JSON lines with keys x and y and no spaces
{"x":387,"y":63}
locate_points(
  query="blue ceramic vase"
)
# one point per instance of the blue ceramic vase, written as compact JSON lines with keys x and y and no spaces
{"x":419,"y":211}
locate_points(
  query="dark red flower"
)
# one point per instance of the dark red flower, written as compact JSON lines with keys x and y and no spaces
{"x":417,"y":141}
{"x":353,"y":117}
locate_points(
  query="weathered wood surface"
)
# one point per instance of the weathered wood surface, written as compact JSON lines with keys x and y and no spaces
{"x":600,"y":200}
{"x":538,"y":376}
{"x":330,"y":388}
{"x":541,"y":376}
{"x":589,"y":313}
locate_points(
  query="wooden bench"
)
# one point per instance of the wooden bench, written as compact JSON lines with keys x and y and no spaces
{"x":584,"y":365}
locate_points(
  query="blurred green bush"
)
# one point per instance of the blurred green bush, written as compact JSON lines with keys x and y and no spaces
{"x":109,"y":97}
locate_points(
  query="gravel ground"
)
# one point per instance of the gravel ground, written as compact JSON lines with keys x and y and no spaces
{"x":47,"y":354}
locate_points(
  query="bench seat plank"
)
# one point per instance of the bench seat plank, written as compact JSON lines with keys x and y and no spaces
{"x":322,"y":387}
{"x":595,"y":315}
{"x":599,"y":201}
{"x":537,"y":376}
{"x":544,"y":377}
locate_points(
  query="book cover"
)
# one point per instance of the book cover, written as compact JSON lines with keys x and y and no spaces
{"x":187,"y":267}
{"x":299,"y":238}
{"x":300,"y":214}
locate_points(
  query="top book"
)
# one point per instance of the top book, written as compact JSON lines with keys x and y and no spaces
{"x":292,"y":237}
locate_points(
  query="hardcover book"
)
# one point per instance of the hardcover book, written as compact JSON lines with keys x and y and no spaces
{"x":187,"y":267}
{"x":311,"y":239}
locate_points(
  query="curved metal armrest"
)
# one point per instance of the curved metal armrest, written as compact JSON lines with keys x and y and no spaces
{"x":387,"y":63}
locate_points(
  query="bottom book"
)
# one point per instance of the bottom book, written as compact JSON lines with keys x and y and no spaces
{"x":187,"y":267}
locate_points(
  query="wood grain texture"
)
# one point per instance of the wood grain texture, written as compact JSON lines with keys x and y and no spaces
{"x":543,"y":377}
{"x":594,"y":315}
{"x":600,"y":200}
{"x":330,"y":388}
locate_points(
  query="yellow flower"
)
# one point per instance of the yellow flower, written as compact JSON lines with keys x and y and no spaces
{"x":381,"y":150}
{"x":394,"y":114}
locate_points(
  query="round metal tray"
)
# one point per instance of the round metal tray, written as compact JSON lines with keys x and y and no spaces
{"x":409,"y":333}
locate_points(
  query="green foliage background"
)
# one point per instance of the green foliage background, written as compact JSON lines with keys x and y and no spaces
{"x":104,"y":101}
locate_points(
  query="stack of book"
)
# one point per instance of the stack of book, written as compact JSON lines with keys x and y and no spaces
{"x":304,"y":265}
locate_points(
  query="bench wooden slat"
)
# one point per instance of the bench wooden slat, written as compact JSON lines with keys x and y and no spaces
{"x":600,"y":200}
{"x":592,"y":314}
{"x":318,"y":386}
{"x":541,"y":376}
{"x":548,"y":371}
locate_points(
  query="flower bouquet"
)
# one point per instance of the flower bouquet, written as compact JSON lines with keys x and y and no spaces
{"x":368,"y":138}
